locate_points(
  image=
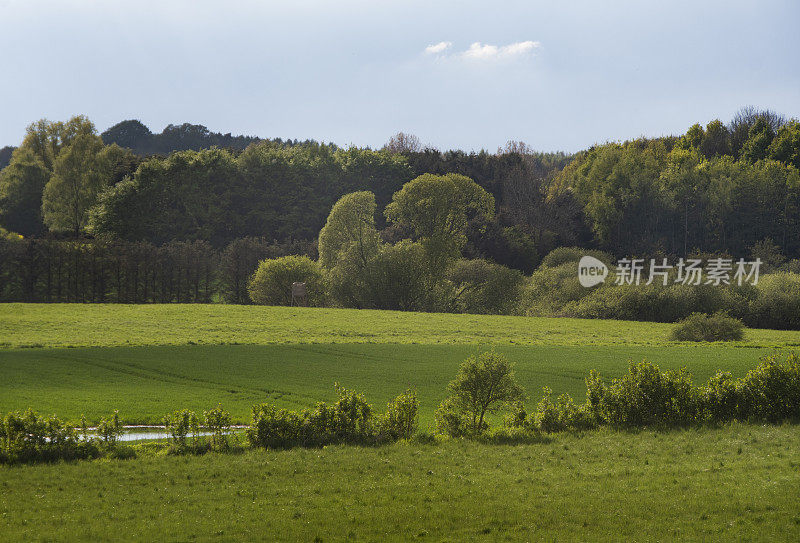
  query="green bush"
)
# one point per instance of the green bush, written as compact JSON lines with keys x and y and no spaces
{"x":109,"y":429}
{"x":350,"y":420}
{"x":645,"y":396}
{"x":771,"y":391}
{"x":401,"y":418}
{"x":481,"y":286}
{"x":271,"y":284}
{"x":777,"y":304}
{"x":562,"y":414}
{"x":179,"y":424}
{"x":452,"y":421}
{"x":218,"y":422}
{"x":702,"y":327}
{"x":719,"y":399}
{"x":484,"y":384}
{"x":549,"y":289}
{"x":30,"y":437}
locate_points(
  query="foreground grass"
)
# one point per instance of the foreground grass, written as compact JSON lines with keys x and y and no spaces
{"x":736,"y":483}
{"x":69,"y":325}
{"x":145,"y":383}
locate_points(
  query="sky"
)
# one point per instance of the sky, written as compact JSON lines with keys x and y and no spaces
{"x":466,"y":75}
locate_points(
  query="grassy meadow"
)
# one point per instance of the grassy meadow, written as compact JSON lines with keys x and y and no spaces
{"x":734,"y":482}
{"x":737,"y":483}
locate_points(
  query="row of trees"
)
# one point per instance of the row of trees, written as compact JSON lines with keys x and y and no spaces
{"x":716,"y":188}
{"x":33,"y":270}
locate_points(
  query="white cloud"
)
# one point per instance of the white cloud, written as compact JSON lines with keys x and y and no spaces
{"x":478,"y":51}
{"x":438,"y":48}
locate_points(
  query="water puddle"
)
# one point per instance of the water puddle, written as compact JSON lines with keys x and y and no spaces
{"x":153,"y":433}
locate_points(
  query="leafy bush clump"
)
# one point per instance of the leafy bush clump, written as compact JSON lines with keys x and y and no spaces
{"x":777,"y":304}
{"x":218,"y":422}
{"x":109,"y":429}
{"x":179,"y":424}
{"x":29,"y":437}
{"x":401,"y":418}
{"x":562,"y":414}
{"x":350,"y":420}
{"x":271,"y":284}
{"x":645,"y":396}
{"x":771,"y":391}
{"x":484,"y":384}
{"x":702,"y":327}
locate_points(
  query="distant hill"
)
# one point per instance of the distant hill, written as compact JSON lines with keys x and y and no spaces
{"x":134,"y":135}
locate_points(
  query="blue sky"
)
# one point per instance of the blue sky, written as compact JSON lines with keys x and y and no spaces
{"x":469,"y":75}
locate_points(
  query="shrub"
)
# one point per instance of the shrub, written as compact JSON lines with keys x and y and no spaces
{"x":561,"y":415}
{"x":517,"y":416}
{"x":777,"y":304}
{"x":644,"y":396}
{"x":273,"y":428}
{"x":218,"y":422}
{"x":771,"y":391}
{"x":29,"y":437}
{"x":179,"y":424}
{"x":549,"y":289}
{"x":271,"y":284}
{"x":702,"y":327}
{"x":480,"y":286}
{"x":109,"y":430}
{"x":349,"y":420}
{"x":484,"y":384}
{"x":452,"y":421}
{"x":719,"y":399}
{"x":401,"y":418}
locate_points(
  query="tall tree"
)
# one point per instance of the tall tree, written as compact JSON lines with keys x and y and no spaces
{"x":21,"y":186}
{"x":437,"y":209}
{"x":80,"y":172}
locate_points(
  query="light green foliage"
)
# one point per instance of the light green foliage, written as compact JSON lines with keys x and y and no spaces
{"x":786,"y":145}
{"x":80,"y":172}
{"x":271,"y":284}
{"x":436,"y":208}
{"x":218,"y":422}
{"x":401,"y":419}
{"x":180,"y":424}
{"x":351,"y":223}
{"x":29,"y":437}
{"x":561,"y":415}
{"x":484,"y":384}
{"x":21,"y":186}
{"x":644,"y":396}
{"x":771,"y":391}
{"x":109,"y":429}
{"x":349,"y":420}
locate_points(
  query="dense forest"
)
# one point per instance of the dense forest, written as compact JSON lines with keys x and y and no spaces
{"x":69,"y":196}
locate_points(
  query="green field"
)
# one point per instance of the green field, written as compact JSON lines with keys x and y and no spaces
{"x":79,"y":325}
{"x":735,"y":482}
{"x":145,"y":383}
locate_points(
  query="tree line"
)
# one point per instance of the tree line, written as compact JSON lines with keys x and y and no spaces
{"x":720,"y":188}
{"x":48,"y":270}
